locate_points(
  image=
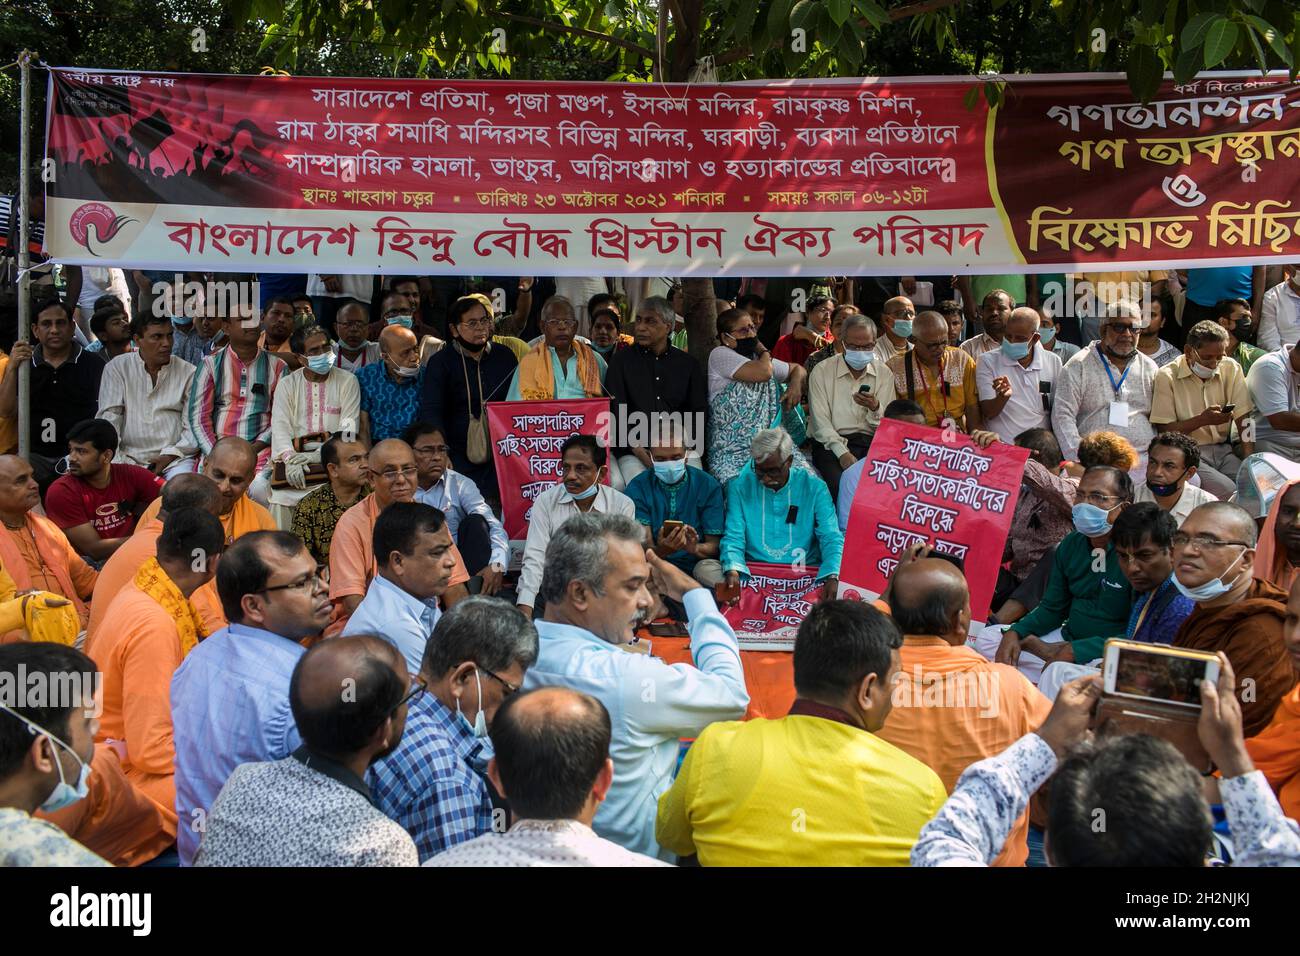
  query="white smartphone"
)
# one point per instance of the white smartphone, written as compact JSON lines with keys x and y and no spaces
{"x":1157,"y":672}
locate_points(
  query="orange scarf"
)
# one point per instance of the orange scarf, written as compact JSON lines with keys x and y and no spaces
{"x":537,"y":378}
{"x":152,"y":580}
{"x":1271,"y":563}
{"x":54,"y":555}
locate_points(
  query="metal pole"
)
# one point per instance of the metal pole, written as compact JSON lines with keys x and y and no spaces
{"x":24,"y":257}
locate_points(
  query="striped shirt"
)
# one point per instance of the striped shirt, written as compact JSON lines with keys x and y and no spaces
{"x":149,"y":415}
{"x":228,"y":397}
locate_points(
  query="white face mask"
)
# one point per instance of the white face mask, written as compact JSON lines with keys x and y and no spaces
{"x":64,"y":794}
{"x":479,"y":728}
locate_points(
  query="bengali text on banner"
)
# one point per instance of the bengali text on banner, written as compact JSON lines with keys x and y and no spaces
{"x":774,"y":600}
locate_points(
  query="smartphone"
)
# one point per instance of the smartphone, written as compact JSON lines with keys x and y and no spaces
{"x":670,"y":526}
{"x":1157,"y":672}
{"x":1227,"y":409}
{"x":864,"y":388}
{"x":668,"y":629}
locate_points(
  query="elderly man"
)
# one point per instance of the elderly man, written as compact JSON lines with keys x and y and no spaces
{"x":596,"y":591}
{"x":348,"y":481}
{"x":1237,"y":614}
{"x":1172,"y":461}
{"x":352,"y":557}
{"x":311,"y":404}
{"x":303,"y":810}
{"x":1274,"y":384}
{"x":995,"y":312}
{"x":432,"y":784}
{"x":1015,"y":379}
{"x":1200,"y":394}
{"x":845,"y":397}
{"x":649,"y":378}
{"x":743,"y":783}
{"x":780,"y":516}
{"x":1107,"y":386}
{"x":230,"y":696}
{"x":356,"y":351}
{"x":896,"y":318}
{"x":230,"y":464}
{"x":938,"y":377}
{"x":143,"y":395}
{"x":390,"y":389}
{"x":552,"y":763}
{"x":836,"y":346}
{"x":579,"y":491}
{"x":559,"y":366}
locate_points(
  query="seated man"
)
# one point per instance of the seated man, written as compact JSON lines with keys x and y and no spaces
{"x":836,"y":345}
{"x":478,"y":533}
{"x":1087,"y":599}
{"x":318,"y":513}
{"x":277,"y":331}
{"x":230,"y":697}
{"x":559,"y":366}
{"x":413,"y":551}
{"x":938,"y":377}
{"x":1016,"y":378}
{"x":733,"y":799}
{"x":356,"y":351}
{"x":33,"y":550}
{"x":1172,"y":461}
{"x":231,"y":464}
{"x":149,"y":629}
{"x":579,"y":491}
{"x":1278,"y":557}
{"x":1150,"y":796}
{"x":475,"y":658}
{"x":1234,"y":316}
{"x":313,"y":808}
{"x":97,"y":502}
{"x":398,"y":310}
{"x":1275,"y":395}
{"x":985,"y":707}
{"x":1275,"y":750}
{"x":552,"y":763}
{"x":810,"y":335}
{"x":595,"y":589}
{"x":688,"y":496}
{"x":780,"y":515}
{"x":901,"y":409}
{"x":390,"y":389}
{"x":111,"y":327}
{"x":1235,"y":614}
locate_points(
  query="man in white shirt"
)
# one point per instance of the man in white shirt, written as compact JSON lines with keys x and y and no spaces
{"x":995,"y":311}
{"x":896,"y":317}
{"x":1172,"y":460}
{"x":596,"y":592}
{"x":1274,"y":383}
{"x":580,"y":491}
{"x":1015,"y":381}
{"x":1279,"y":315}
{"x":352,"y":325}
{"x":142,"y":394}
{"x":579,"y":290}
{"x":552,"y":764}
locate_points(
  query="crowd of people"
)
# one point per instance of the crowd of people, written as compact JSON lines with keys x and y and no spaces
{"x":267,"y":544}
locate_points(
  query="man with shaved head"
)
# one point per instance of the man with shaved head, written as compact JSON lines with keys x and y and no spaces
{"x":896,"y":319}
{"x":394,"y":476}
{"x":390,"y":389}
{"x":232,"y":465}
{"x":951,"y":706}
{"x":938,"y":377}
{"x":349,"y":698}
{"x":1015,"y":380}
{"x":1236,"y":613}
{"x":34,"y":552}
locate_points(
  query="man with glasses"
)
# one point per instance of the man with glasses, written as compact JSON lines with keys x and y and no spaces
{"x":355,"y":348}
{"x":230,"y":696}
{"x":1199,"y":395}
{"x":1107,"y":386}
{"x":433,"y":783}
{"x":478,"y":533}
{"x":394,"y":477}
{"x":938,"y":377}
{"x":1236,"y":613}
{"x":809,"y":336}
{"x":560,"y":366}
{"x":896,"y":319}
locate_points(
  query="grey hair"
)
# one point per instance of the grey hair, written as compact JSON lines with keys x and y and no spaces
{"x":1123,"y":309}
{"x":1206,"y":331}
{"x":555,"y":300}
{"x":663,"y":308}
{"x":771,"y":441}
{"x":486,"y":630}
{"x":856,"y":320}
{"x":579,"y":551}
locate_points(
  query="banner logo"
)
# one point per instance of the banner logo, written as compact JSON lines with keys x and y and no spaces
{"x":106,"y":223}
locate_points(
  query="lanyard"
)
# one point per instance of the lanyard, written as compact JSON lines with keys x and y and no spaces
{"x":943,"y":389}
{"x":1113,"y":384}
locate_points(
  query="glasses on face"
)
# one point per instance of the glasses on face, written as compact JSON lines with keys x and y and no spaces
{"x":476,"y":324}
{"x":1124,"y":329}
{"x":561,"y":323}
{"x":416,"y":692}
{"x":936,"y":345}
{"x":1204,"y":542}
{"x":1098,"y":499}
{"x":904,"y":313}
{"x":306,"y":583}
{"x":510,"y":688}
{"x":392,"y":474}
{"x":432,"y":451}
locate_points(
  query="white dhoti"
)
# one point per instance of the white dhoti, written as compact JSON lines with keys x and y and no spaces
{"x":1031,"y":665}
{"x":1059,"y":673}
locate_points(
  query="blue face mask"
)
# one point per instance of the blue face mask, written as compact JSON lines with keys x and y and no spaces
{"x":321,"y":364}
{"x":1048,"y":336}
{"x":670,"y":472}
{"x":479,"y":728}
{"x":1091,"y":521}
{"x":605,"y":350}
{"x":584,"y":495}
{"x":1210,"y":589}
{"x":903,"y":328}
{"x":181,"y":322}
{"x":1015,"y":350}
{"x":63,"y":794}
{"x":858,"y":360}
{"x":405,"y":321}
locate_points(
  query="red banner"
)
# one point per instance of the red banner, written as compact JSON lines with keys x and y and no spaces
{"x":774,"y":600}
{"x":824,"y":177}
{"x":939,"y":487}
{"x":526,"y":439}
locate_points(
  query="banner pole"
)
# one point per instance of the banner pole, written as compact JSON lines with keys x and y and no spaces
{"x":24,"y":256}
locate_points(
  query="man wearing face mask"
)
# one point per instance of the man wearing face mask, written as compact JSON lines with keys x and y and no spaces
{"x":390,"y":391}
{"x":1236,"y":613}
{"x":1049,"y":334}
{"x":433,"y":783}
{"x":1015,"y":380}
{"x":398,"y":311}
{"x":1234,"y":315}
{"x":45,"y":754}
{"x":994,"y":311}
{"x":1087,"y":599}
{"x":896,"y":319}
{"x":1172,"y":461}
{"x":355,"y":348}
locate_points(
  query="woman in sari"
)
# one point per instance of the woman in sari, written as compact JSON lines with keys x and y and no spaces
{"x":748,"y":392}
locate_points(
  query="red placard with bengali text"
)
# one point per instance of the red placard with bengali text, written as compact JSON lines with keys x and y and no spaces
{"x":774,"y":600}
{"x":928,"y":484}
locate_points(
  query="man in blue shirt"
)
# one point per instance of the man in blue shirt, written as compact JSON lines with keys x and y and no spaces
{"x":230,"y":696}
{"x":413,"y":551}
{"x":432,"y":783}
{"x":390,"y":389}
{"x":595,"y":587}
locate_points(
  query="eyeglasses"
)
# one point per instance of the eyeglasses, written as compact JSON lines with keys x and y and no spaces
{"x":417,"y":691}
{"x":905,"y":313}
{"x":510,"y":688}
{"x":392,"y":474}
{"x":1124,"y":329}
{"x":940,"y":344}
{"x":1204,"y":542}
{"x":1101,"y":501}
{"x":562,"y":323}
{"x":307,"y":583}
{"x":477,"y":323}
{"x":434,"y":450}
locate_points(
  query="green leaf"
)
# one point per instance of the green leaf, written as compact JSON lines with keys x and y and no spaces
{"x":1150,"y":12}
{"x":1259,"y":50}
{"x":802,"y":17}
{"x":1272,"y":36}
{"x":1196,"y":29}
{"x":874,"y":13}
{"x":972,"y":96}
{"x":269,"y":10}
{"x":1185,"y":67}
{"x":838,"y":9}
{"x":1145,"y":70}
{"x":848,"y":49}
{"x":778,"y":18}
{"x":1219,"y":41}
{"x":743,"y":24}
{"x":1295,"y":46}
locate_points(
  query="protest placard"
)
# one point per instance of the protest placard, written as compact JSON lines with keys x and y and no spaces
{"x":774,"y":600}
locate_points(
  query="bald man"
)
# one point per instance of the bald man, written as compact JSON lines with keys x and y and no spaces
{"x":303,"y":810}
{"x":394,"y":476}
{"x":938,"y":377}
{"x":33,"y":551}
{"x":1016,"y":378}
{"x":951,"y":706}
{"x":896,"y":319}
{"x":390,"y":390}
{"x":232,"y":465}
{"x":1235,"y":613}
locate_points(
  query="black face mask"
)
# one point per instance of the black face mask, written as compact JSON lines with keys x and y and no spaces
{"x":1241,"y":329}
{"x":470,"y":346}
{"x":1164,"y":491}
{"x":746,"y":347}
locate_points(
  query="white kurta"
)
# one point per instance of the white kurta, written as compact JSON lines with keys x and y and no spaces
{"x":303,"y":408}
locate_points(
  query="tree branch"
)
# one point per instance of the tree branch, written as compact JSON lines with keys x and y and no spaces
{"x":577,"y":31}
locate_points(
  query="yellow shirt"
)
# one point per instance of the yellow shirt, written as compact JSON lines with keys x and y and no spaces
{"x":798,"y":791}
{"x":1179,"y":394}
{"x":945,"y":397}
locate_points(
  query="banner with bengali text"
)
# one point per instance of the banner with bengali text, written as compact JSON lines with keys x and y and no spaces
{"x":774,"y":600}
{"x":854,"y":176}
{"x":938,"y":487}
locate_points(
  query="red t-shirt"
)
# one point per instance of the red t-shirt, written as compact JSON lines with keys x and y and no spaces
{"x":71,"y":502}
